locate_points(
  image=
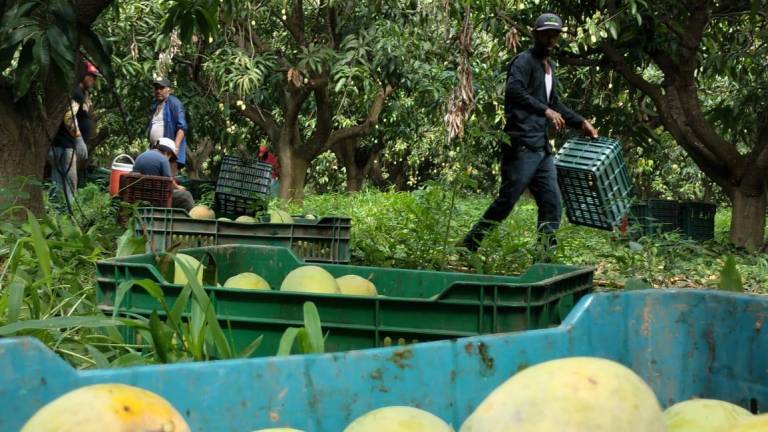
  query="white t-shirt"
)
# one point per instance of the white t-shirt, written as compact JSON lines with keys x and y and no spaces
{"x":548,"y":82}
{"x":158,"y":124}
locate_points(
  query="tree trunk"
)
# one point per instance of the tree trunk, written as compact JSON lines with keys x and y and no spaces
{"x":293,"y":173}
{"x":27,"y":125}
{"x":25,"y":150}
{"x":357,"y":160}
{"x":748,"y":219}
{"x":355,"y":179}
{"x":195,"y":159}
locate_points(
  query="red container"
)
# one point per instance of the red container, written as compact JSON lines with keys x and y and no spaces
{"x":118,"y":170}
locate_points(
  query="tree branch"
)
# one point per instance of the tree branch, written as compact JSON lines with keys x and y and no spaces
{"x":694,"y":31}
{"x":331,"y":23}
{"x":88,"y":10}
{"x":732,"y":6}
{"x":366,"y":126}
{"x":578,"y":61}
{"x":761,"y":149}
{"x":324,"y":118}
{"x":673,"y":117}
{"x":295,"y":22}
{"x":724,"y":151}
{"x":294,"y":100}
{"x":627,"y":71}
{"x":262,"y":119}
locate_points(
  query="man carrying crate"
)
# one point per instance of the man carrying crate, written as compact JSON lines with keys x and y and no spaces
{"x":531,"y":105}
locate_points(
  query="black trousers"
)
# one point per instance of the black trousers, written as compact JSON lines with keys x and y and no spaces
{"x":522,"y":168}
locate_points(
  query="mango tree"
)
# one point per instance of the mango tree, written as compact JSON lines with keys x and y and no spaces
{"x":39,"y":44}
{"x":698,"y":69}
{"x":316,"y":76}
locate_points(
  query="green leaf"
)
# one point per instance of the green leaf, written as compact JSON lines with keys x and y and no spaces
{"x":152,"y":288}
{"x":15,"y":298}
{"x":130,"y":359}
{"x":18,"y":36}
{"x":635,"y":246}
{"x":57,"y":323}
{"x":98,"y":357}
{"x":160,"y":338}
{"x":128,"y":244}
{"x":302,"y":340}
{"x":730,"y":278}
{"x":62,"y":53}
{"x":313,"y":328}
{"x":287,"y":340}
{"x":40,"y":245}
{"x":42,"y":57}
{"x":25,"y":70}
{"x":251,"y":348}
{"x":220,"y":340}
{"x":196,"y":330}
{"x":180,"y":305}
{"x":120,"y":292}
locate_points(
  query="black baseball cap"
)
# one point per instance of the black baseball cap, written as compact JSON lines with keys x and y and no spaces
{"x":162,"y":82}
{"x":548,"y":21}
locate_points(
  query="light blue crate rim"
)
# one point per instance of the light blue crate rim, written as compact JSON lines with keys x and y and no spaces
{"x":684,"y":343}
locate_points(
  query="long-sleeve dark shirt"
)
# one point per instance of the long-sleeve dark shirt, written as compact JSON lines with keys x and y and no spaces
{"x":526,"y":100}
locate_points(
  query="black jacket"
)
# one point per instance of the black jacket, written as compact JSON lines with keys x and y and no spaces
{"x":526,"y":100}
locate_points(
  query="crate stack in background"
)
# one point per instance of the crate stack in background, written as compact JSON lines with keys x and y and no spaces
{"x":694,"y":220}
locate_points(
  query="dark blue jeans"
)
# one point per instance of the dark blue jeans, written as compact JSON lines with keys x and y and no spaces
{"x":523,"y":168}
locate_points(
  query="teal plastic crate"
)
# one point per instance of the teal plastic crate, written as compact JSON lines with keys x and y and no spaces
{"x":594,"y":182}
{"x":694,"y":220}
{"x":683,"y":343}
{"x":654,"y":216}
{"x":316,"y":240}
{"x":413,"y":305}
{"x":697,"y":220}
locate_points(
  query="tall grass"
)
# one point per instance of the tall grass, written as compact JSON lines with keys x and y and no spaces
{"x":47,"y":270}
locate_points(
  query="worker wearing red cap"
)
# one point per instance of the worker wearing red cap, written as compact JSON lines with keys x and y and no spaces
{"x":267,"y":156}
{"x":69,"y":144}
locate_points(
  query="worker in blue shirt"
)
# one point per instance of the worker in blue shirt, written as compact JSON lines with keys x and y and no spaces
{"x":168,"y":120}
{"x":531,"y":107}
{"x":157,"y":162}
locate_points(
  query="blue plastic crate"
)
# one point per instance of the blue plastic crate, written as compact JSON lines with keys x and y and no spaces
{"x":594,"y":182}
{"x":684,"y":343}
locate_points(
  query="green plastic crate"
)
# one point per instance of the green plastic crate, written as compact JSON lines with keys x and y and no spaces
{"x":655,"y":216}
{"x":697,"y":220}
{"x":323,"y":240}
{"x":413,"y":305}
{"x":594,"y":182}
